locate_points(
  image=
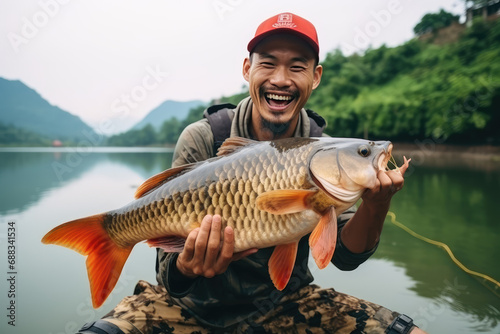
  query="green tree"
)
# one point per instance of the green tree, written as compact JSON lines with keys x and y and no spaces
{"x":434,"y":21}
{"x":146,"y":136}
{"x":170,"y":131}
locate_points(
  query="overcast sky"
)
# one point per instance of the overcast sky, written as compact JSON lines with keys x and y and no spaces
{"x":104,"y":60}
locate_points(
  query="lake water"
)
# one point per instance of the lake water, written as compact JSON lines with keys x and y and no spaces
{"x":451,"y":201}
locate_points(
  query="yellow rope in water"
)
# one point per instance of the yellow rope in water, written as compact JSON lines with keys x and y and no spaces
{"x":445,"y":247}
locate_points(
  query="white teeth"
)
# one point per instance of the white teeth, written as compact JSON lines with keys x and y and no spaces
{"x":279,"y":97}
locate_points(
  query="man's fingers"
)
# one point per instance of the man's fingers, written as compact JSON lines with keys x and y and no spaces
{"x":202,"y":238}
{"x":213,"y":246}
{"x":188,"y":251}
{"x":226,"y":252}
{"x":384,"y":179}
{"x":187,"y":254}
{"x":395,"y":182}
{"x":208,"y":250}
{"x":405,"y":166}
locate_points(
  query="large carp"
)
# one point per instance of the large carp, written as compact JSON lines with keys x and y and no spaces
{"x":271,"y":193}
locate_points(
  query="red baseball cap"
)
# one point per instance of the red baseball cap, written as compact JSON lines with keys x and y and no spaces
{"x":288,"y":23}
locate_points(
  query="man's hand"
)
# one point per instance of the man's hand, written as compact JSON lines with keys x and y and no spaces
{"x":388,"y":183}
{"x":362,"y":232}
{"x":208,"y":250}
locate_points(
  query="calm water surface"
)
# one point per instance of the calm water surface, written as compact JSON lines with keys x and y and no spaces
{"x":454,"y":202}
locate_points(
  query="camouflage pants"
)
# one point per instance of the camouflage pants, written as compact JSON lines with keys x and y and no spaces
{"x":309,"y":310}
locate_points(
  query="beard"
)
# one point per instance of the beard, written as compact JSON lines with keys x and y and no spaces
{"x":276,"y":128}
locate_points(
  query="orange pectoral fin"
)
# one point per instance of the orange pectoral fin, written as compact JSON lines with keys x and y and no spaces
{"x":323,"y":238}
{"x":284,"y":201}
{"x":281,"y":264}
{"x":105,"y":259}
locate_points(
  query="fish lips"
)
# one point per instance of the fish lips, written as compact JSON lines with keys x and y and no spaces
{"x":384,"y":156}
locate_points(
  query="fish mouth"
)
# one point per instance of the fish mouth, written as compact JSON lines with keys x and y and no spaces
{"x":384,"y":157}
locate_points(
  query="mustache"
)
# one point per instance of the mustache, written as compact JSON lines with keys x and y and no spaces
{"x":293,"y":92}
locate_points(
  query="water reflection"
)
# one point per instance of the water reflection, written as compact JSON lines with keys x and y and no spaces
{"x":25,"y":177}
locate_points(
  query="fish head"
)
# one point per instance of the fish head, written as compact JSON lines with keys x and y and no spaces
{"x":344,"y":168}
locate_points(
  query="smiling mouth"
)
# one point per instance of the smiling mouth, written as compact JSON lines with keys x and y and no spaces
{"x":278,"y":101}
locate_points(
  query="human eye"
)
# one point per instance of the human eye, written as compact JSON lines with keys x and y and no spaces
{"x":267,"y":64}
{"x":298,"y":68}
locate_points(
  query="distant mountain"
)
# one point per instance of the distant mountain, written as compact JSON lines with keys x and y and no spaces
{"x":166,"y":111}
{"x":23,"y":108}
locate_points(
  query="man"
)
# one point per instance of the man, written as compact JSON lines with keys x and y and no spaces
{"x":207,"y":287}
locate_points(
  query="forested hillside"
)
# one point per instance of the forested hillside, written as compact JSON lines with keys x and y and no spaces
{"x":416,"y":90}
{"x":12,"y":136}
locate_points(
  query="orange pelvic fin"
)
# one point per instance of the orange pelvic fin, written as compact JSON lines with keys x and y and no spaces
{"x":284,"y":201}
{"x":281,"y":264}
{"x":157,"y":180}
{"x":323,"y":238}
{"x":105,"y":259}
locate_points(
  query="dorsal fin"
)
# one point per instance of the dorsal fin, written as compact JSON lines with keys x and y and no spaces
{"x":160,"y":178}
{"x":232,"y":144}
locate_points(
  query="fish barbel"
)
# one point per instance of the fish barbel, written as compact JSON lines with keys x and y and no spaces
{"x":271,"y":193}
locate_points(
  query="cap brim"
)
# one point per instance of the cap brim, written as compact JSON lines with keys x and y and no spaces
{"x":257,"y":39}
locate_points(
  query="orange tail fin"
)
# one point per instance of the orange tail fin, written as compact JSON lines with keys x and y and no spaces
{"x":105,"y":259}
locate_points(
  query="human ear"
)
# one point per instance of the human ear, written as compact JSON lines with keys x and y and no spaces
{"x":246,"y":69}
{"x":318,"y":72}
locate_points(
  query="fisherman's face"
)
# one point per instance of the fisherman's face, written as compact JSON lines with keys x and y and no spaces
{"x":282,"y":75}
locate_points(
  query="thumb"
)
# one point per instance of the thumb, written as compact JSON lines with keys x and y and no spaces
{"x":405,"y":166}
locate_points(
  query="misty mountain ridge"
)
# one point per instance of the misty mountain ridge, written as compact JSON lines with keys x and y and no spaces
{"x":23,"y":108}
{"x":165,"y":111}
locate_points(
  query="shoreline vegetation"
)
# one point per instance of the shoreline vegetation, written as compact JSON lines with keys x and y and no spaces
{"x":443,"y":155}
{"x":431,"y":155}
{"x":425,"y":147}
{"x":442,"y":150}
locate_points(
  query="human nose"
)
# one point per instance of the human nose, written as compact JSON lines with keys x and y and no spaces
{"x":280,"y":77}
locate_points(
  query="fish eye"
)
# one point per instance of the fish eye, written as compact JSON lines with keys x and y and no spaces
{"x":364,"y":151}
